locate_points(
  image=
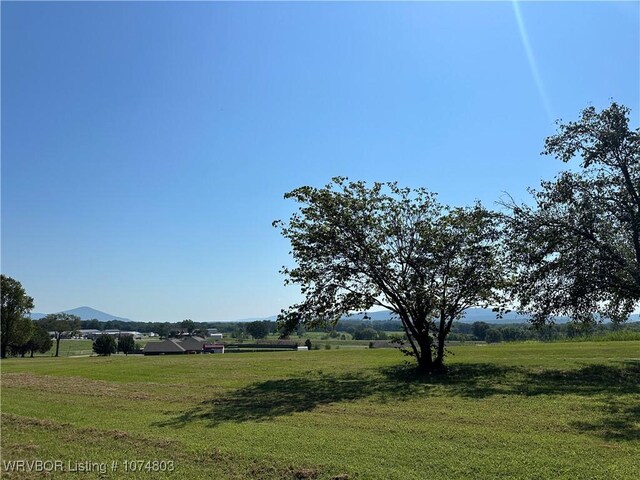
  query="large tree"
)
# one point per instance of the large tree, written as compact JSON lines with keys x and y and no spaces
{"x":60,"y":324}
{"x":578,"y":247}
{"x":14,"y":317}
{"x":356,"y":247}
{"x":258,"y":329}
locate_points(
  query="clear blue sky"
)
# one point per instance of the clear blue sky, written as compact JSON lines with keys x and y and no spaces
{"x":146,"y":147}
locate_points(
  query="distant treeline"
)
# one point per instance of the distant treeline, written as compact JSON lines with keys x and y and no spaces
{"x":516,"y":332}
{"x":167,"y":329}
{"x":379,"y":329}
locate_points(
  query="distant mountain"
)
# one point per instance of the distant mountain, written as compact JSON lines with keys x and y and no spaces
{"x":85,"y":313}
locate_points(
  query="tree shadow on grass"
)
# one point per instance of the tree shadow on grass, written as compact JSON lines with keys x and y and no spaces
{"x":273,"y":398}
{"x":262,"y":401}
{"x":619,"y":420}
{"x":480,"y":380}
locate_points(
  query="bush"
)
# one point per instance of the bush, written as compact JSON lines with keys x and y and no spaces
{"x":104,"y":345}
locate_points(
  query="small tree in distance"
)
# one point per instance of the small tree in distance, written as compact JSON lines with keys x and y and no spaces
{"x":258,"y":329}
{"x":104,"y":345}
{"x":188,"y":325}
{"x":126,"y":344}
{"x":357,"y":246}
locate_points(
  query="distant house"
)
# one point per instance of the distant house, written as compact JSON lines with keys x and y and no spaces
{"x":213,"y":348}
{"x":216,"y":336}
{"x":164,"y":347}
{"x":173,"y":346}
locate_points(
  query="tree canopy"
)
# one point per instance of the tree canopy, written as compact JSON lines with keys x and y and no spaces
{"x":126,"y":344}
{"x":578,"y":248}
{"x":104,"y":345}
{"x":15,"y":324}
{"x":357,"y":246}
{"x":258,"y":329}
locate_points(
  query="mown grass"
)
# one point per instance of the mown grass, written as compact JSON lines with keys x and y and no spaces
{"x":530,"y":411}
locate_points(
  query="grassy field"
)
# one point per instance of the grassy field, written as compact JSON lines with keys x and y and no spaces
{"x":521,"y":411}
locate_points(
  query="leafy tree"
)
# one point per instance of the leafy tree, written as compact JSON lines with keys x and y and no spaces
{"x":104,"y":345}
{"x":258,"y":329}
{"x":60,"y":324}
{"x":93,"y":324}
{"x":188,"y":325}
{"x":239,"y":332}
{"x":126,"y":344}
{"x":164,"y":329}
{"x":493,"y":335}
{"x":40,"y":340}
{"x":578,"y":248}
{"x":479,"y":329}
{"x":15,"y":326}
{"x":20,"y":345}
{"x":513,"y":334}
{"x":366,"y":333}
{"x":201,"y":330}
{"x":357,"y":247}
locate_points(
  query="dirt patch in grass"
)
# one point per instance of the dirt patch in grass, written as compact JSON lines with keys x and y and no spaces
{"x":18,"y":421}
{"x":81,"y":386}
{"x":77,"y":385}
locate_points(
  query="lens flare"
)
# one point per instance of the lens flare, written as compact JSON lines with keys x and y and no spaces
{"x":532,"y":61}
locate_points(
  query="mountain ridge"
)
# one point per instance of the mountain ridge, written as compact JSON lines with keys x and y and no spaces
{"x":85,"y":313}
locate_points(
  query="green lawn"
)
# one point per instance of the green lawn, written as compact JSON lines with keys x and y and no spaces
{"x":521,"y":411}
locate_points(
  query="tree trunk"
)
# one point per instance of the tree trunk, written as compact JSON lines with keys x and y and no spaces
{"x":426,"y":363}
{"x":57,"y":345}
{"x":438,"y":363}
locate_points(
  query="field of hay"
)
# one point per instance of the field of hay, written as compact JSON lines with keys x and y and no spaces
{"x":525,"y":411}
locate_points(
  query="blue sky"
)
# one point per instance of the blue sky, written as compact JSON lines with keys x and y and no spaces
{"x":146,"y":147}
